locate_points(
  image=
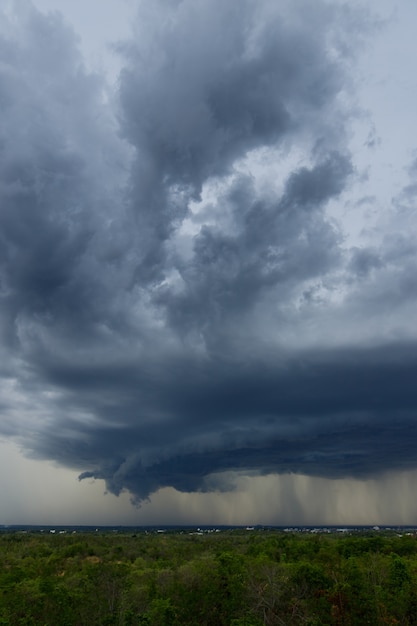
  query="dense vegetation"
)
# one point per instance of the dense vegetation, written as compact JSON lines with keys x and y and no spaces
{"x":233,"y":578}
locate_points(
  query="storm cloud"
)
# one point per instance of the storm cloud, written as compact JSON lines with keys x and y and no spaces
{"x":177,"y":300}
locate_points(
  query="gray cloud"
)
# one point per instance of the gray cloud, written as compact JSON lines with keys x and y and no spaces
{"x":166,"y":314}
{"x":205,"y":86}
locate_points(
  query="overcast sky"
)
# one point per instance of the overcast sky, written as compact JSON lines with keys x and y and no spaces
{"x":208,"y":261}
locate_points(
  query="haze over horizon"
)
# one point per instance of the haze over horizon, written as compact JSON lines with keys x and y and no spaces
{"x":208,"y":262}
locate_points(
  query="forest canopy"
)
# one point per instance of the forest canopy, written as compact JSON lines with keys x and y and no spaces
{"x":233,"y":578}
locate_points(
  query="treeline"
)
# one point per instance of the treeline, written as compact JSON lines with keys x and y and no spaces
{"x":233,"y":578}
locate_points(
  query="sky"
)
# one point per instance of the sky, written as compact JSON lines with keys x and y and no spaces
{"x":208,"y":262}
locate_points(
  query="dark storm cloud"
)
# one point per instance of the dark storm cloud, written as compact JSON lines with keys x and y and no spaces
{"x":164,"y":315}
{"x":345,"y":413}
